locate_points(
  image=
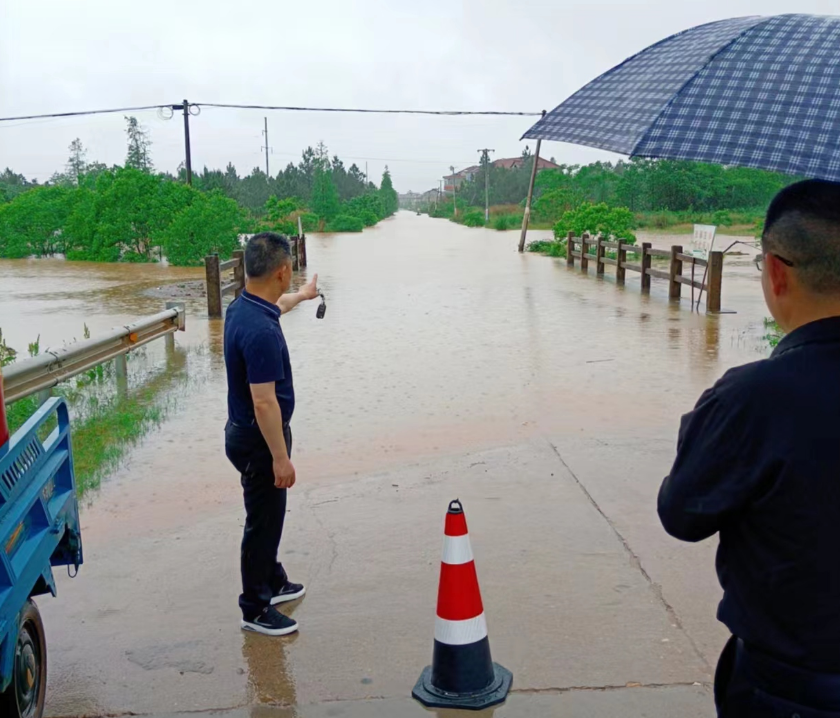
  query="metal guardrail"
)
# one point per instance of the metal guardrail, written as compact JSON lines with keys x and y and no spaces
{"x":23,"y":378}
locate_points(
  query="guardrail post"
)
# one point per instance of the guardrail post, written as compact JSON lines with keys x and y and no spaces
{"x":715,"y":282}
{"x":121,"y":369}
{"x":599,"y":254}
{"x":584,"y":260}
{"x":239,"y":271}
{"x":570,"y":248}
{"x":302,"y":250}
{"x":621,"y":258}
{"x":675,"y":271}
{"x":646,"y":264}
{"x":214,"y":286}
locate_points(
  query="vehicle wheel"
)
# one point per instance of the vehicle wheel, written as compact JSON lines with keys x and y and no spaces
{"x":25,"y":697}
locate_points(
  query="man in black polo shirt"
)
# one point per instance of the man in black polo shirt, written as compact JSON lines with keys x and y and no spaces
{"x":758,"y":460}
{"x":258,"y":440}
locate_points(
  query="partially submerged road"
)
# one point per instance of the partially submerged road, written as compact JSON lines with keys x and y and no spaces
{"x":447,"y":366}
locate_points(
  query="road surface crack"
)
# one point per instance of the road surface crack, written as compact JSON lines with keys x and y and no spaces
{"x":635,"y":561}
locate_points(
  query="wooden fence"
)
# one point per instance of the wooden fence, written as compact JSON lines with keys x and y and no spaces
{"x":705,"y":275}
{"x":235,"y":282}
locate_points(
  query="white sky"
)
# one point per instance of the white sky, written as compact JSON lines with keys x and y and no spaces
{"x":523,"y":55}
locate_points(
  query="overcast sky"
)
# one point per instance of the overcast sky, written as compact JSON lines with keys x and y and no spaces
{"x":518,"y":55}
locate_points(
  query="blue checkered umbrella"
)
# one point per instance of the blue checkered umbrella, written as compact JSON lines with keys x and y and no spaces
{"x":753,"y":91}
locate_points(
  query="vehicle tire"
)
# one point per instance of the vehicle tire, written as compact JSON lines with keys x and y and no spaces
{"x":26,"y":695}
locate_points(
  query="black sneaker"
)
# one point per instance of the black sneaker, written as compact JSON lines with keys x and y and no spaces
{"x":289,"y":592}
{"x":271,"y":623}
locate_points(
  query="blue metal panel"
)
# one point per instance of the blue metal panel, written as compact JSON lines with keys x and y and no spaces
{"x":39,"y":517}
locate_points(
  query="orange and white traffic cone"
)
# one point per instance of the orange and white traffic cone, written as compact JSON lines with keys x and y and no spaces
{"x":462,"y":674}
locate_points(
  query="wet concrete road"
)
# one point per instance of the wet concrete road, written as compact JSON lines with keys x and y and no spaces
{"x":447,"y":366}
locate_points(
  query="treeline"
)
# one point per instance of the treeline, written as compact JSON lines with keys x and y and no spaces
{"x":131,"y":213}
{"x":641,"y":185}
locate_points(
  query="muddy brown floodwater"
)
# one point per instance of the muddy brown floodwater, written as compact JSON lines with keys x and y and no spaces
{"x":439,"y":343}
{"x":436,"y":338}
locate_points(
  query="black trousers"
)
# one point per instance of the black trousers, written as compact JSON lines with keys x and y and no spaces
{"x":749,"y":684}
{"x":265,"y":510}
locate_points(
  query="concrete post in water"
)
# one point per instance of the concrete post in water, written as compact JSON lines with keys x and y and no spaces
{"x":584,"y":260}
{"x":715,"y":282}
{"x":646,"y":263}
{"x":599,"y":254}
{"x":570,"y":248}
{"x":675,"y":272}
{"x":527,"y":216}
{"x":621,"y":258}
{"x":239,"y":271}
{"x":214,"y":286}
{"x":302,"y":249}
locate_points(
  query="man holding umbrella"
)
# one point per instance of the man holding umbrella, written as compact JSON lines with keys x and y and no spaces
{"x":758,"y":462}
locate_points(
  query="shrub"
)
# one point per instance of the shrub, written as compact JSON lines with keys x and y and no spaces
{"x":346,"y":223}
{"x":722,"y":218}
{"x":474,"y":218}
{"x":507,"y":221}
{"x":593,"y":218}
{"x":308,"y":220}
{"x":547,"y":247}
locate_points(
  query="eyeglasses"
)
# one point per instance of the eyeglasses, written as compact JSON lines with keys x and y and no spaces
{"x":759,"y":261}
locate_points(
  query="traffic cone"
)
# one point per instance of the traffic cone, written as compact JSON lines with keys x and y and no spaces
{"x":462,"y":674}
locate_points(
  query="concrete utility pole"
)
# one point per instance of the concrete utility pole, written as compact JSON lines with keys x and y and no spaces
{"x":485,"y":158}
{"x":452,"y":177}
{"x":527,"y":216}
{"x":266,"y":147}
{"x":185,"y":106}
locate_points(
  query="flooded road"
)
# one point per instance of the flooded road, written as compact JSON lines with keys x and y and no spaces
{"x":437,"y":338}
{"x":447,"y":365}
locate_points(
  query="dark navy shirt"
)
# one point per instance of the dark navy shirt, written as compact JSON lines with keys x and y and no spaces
{"x":255,"y":353}
{"x":759,"y":461}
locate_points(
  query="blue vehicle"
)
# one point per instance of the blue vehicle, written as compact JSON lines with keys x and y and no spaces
{"x":39,"y":529}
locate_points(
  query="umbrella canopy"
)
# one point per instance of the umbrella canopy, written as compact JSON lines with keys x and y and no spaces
{"x":754,"y":91}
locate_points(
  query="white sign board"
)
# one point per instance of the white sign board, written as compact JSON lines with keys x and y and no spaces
{"x":704,"y":240}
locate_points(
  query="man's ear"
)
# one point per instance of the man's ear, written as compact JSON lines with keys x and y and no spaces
{"x":778,"y":274}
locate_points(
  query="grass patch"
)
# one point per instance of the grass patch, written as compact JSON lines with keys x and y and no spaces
{"x":548,"y":248}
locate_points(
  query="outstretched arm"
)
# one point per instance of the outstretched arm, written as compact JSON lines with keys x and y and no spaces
{"x":308,"y":291}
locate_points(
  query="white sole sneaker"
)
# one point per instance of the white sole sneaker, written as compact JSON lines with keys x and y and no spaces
{"x":288,"y":597}
{"x":257,"y":628}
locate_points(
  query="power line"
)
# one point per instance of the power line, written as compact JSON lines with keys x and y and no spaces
{"x":83,"y":112}
{"x":448,"y":113}
{"x":287,"y":108}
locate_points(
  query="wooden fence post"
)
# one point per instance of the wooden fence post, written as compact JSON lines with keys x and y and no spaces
{"x":302,"y":250}
{"x":584,"y":259}
{"x":570,"y":248}
{"x":646,"y":263}
{"x":599,"y":254}
{"x":675,"y":288}
{"x":621,"y":258}
{"x":715,"y":282}
{"x":239,"y":271}
{"x":214,"y":286}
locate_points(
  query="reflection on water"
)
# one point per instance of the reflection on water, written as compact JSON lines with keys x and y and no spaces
{"x":437,"y":338}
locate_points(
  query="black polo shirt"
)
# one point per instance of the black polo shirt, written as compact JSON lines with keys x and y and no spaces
{"x":255,"y":353}
{"x":759,"y":461}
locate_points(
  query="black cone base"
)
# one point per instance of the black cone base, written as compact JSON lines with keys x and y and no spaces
{"x":494,"y":694}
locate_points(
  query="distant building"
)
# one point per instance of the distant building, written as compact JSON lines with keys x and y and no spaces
{"x":410,"y":200}
{"x":452,"y":182}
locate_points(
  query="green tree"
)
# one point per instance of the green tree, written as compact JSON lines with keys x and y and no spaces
{"x":31,"y":225}
{"x":615,"y":222}
{"x":324,"y":201}
{"x":139,"y":155}
{"x":209,"y":224}
{"x":77,"y":162}
{"x":388,"y":195}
